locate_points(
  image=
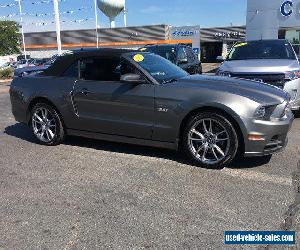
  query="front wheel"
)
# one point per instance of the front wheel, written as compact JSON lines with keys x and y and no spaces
{"x":47,"y":125}
{"x":210,"y":140}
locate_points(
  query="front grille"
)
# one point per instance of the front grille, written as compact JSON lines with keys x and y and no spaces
{"x":277,"y":80}
{"x":274,"y":144}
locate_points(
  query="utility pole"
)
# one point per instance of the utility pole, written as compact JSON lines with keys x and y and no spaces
{"x":96,"y":18}
{"x":22,"y":30}
{"x":57,"y":23}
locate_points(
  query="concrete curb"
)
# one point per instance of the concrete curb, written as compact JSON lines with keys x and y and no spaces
{"x":6,"y":80}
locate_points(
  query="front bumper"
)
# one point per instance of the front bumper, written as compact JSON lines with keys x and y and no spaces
{"x":293,"y":88}
{"x":274,"y":134}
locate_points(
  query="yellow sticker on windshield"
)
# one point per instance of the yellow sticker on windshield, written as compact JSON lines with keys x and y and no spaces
{"x":138,"y":58}
{"x":143,"y":49}
{"x":240,"y":45}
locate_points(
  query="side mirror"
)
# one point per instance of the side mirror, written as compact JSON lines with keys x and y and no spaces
{"x":132,"y":78}
{"x":220,"y":59}
{"x":182,"y":60}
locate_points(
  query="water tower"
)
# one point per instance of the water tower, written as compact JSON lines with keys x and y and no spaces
{"x":111,"y":8}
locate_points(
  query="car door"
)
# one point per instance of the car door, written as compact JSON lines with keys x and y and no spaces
{"x":104,"y":104}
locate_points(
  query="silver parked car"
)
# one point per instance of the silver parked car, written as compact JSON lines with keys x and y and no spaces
{"x":270,"y":61}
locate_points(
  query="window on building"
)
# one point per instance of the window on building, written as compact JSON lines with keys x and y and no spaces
{"x":293,"y":36}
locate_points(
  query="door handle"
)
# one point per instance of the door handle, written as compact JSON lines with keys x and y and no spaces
{"x":85,"y":91}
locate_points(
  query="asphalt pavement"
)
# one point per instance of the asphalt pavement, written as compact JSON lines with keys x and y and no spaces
{"x":89,"y":194}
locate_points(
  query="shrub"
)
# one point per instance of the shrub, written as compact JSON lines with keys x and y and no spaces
{"x":6,"y":73}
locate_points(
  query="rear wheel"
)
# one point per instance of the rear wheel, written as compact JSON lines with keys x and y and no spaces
{"x":47,"y":125}
{"x":210,"y":140}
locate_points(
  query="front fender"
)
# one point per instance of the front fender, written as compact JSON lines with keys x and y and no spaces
{"x":189,"y":109}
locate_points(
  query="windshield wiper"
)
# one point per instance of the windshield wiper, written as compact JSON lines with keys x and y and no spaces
{"x":170,"y":81}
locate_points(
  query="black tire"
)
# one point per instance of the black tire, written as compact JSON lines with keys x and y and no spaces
{"x":56,"y":124}
{"x":297,"y":114}
{"x":200,"y":70}
{"x":209,"y":143}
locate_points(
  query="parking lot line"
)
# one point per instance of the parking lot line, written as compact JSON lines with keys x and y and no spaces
{"x":257,"y":176}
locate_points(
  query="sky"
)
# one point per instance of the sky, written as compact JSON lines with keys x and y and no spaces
{"x":206,"y":13}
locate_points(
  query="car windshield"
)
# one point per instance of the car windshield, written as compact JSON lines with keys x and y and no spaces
{"x":161,"y":69}
{"x":276,"y":49}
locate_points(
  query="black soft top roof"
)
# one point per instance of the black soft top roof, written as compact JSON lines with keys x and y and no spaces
{"x":63,"y":62}
{"x":150,"y":46}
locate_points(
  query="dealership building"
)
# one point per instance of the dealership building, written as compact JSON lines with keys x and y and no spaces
{"x":269,"y":19}
{"x":207,"y":43}
{"x":272,"y":19}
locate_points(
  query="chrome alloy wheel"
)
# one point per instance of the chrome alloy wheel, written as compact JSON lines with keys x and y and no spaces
{"x":44,"y":125}
{"x":209,"y":141}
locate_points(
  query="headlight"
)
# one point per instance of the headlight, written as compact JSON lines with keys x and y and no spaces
{"x":264,"y":112}
{"x":260,"y":112}
{"x":224,"y":73}
{"x":273,"y":113}
{"x":287,"y":111}
{"x":293,"y":75}
{"x":294,"y":94}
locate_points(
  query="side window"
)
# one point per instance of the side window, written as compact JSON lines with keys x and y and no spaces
{"x":99,"y":69}
{"x":181,"y":55}
{"x":72,"y":71}
{"x":127,"y":68}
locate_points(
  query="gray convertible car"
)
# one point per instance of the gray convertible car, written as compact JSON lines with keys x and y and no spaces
{"x":142,"y":98}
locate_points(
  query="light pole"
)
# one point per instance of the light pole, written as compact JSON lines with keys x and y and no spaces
{"x":125,"y":16}
{"x":57,"y":23}
{"x":22,"y":30}
{"x":96,"y":18}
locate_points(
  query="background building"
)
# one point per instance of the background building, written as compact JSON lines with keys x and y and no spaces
{"x":218,"y":41}
{"x":269,"y":19}
{"x":209,"y":43}
{"x":272,"y":19}
{"x":43,"y":44}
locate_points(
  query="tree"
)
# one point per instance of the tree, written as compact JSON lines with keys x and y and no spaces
{"x":10,"y":38}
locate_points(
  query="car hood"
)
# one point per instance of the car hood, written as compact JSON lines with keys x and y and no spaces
{"x":260,"y":66}
{"x":260,"y":92}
